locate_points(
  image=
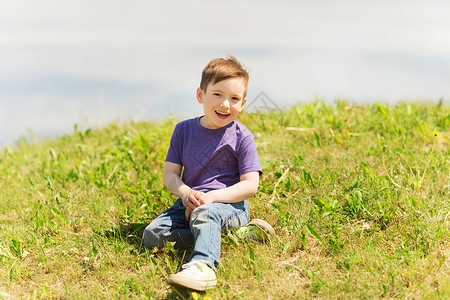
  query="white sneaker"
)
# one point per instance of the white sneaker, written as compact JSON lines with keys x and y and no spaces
{"x":257,"y":230}
{"x":195,"y":275}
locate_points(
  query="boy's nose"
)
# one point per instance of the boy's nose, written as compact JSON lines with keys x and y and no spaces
{"x":226,"y":103}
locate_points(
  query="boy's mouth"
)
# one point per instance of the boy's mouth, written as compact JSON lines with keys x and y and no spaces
{"x":221,"y":114}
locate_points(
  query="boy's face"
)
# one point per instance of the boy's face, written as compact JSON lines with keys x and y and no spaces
{"x":222,"y":102}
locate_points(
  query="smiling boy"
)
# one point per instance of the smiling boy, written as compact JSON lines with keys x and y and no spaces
{"x":212,"y":166}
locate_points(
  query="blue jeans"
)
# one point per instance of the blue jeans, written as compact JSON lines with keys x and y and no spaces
{"x":203,"y":229}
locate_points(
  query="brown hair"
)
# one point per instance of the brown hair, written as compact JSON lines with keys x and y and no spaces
{"x":221,"y":69}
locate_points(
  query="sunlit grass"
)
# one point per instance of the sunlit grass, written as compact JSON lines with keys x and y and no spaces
{"x":358,"y":196}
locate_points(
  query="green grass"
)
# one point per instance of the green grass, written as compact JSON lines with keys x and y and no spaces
{"x":358,"y":196}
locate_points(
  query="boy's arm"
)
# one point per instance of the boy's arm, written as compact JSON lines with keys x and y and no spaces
{"x":175,"y":185}
{"x":244,"y":189}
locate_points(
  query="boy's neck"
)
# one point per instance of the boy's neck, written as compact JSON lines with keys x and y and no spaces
{"x":201,"y":121}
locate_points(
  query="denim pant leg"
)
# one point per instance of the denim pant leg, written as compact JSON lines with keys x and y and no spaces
{"x":207,"y":222}
{"x":170,"y":226}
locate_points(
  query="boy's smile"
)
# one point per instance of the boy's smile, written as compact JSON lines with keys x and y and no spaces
{"x":222,"y":102}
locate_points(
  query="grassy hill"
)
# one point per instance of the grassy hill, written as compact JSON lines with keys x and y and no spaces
{"x":358,"y":196}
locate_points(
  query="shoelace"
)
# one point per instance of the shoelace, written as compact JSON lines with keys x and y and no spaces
{"x":189,"y":269}
{"x":249,"y":233}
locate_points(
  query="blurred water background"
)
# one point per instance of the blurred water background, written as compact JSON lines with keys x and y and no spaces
{"x":94,"y":62}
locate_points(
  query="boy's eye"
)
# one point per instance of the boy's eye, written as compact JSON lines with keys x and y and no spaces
{"x":235,"y":98}
{"x":216,"y":94}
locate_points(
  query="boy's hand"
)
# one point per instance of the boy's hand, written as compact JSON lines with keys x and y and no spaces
{"x":187,"y":213}
{"x":208,"y":197}
{"x":190,"y":200}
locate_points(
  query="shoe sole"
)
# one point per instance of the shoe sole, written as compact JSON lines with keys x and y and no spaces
{"x":185,"y":282}
{"x":263,"y":225}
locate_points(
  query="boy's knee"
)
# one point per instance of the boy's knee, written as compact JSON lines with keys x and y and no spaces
{"x":151,"y":238}
{"x":204,"y":213}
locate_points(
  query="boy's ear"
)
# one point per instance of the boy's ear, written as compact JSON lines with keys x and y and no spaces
{"x":242,"y":104}
{"x":200,"y":95}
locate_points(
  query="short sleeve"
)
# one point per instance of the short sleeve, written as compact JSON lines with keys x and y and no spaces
{"x":248,"y":159}
{"x":174,"y":152}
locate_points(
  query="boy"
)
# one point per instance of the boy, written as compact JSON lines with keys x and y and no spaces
{"x":220,"y":169}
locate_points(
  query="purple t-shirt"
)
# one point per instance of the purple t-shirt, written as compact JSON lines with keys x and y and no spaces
{"x":213,"y":158}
